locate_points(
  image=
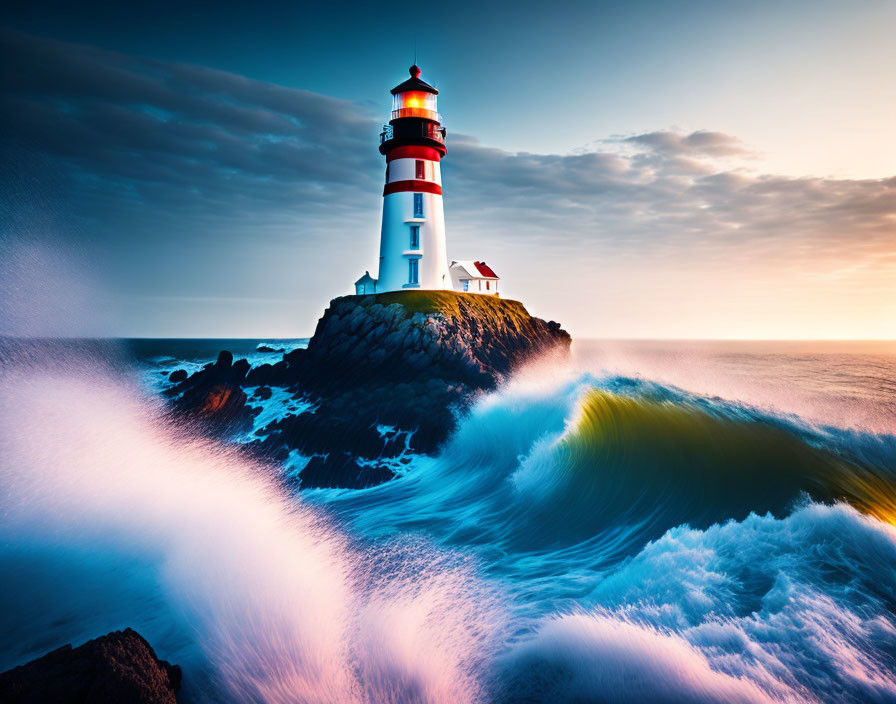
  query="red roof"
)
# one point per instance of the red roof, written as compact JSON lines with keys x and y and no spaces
{"x":485,"y":270}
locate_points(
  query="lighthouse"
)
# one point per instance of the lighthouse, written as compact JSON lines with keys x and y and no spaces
{"x":412,"y":239}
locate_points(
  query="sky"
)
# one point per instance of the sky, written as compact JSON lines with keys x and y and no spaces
{"x":633,"y":170}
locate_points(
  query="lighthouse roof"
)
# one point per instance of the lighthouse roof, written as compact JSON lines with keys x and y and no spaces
{"x":476,"y":270}
{"x":366,"y":279}
{"x":414,"y":83}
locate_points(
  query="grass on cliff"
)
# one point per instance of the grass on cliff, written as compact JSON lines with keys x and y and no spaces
{"x":452,"y":303}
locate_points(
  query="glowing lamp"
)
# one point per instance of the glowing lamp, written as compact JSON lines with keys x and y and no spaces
{"x":415,"y":103}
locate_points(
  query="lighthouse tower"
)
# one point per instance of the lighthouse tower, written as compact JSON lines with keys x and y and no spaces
{"x":412,"y":240}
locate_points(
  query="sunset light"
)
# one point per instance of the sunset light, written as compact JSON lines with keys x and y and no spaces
{"x":582,"y":392}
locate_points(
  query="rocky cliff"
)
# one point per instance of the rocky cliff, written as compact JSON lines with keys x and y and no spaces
{"x":119,"y":667}
{"x":386,"y":375}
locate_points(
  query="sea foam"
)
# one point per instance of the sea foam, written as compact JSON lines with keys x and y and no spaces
{"x":270,"y":599}
{"x":786,"y":610}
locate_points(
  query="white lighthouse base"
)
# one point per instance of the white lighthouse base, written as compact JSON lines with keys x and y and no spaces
{"x":398,"y":250}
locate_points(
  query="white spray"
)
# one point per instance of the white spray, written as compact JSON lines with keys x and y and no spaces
{"x":283,"y":606}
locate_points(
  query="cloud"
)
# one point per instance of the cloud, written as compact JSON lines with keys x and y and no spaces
{"x":700,"y":143}
{"x":662,"y":198}
{"x":139,"y":157}
{"x":179,"y":136}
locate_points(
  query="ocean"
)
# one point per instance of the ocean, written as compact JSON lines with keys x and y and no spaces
{"x":652,"y":521}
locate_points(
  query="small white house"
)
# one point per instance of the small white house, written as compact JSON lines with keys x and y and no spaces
{"x":473,"y":277}
{"x":365,"y":285}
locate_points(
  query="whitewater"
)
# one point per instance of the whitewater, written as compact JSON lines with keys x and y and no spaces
{"x":660,"y":522}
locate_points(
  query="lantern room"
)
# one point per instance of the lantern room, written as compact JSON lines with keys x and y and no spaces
{"x":415,"y":103}
{"x":415,"y":98}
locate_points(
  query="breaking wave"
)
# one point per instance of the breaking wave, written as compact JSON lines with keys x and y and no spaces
{"x":798,"y":609}
{"x":665,"y":547}
{"x":591,"y":539}
{"x":656,"y":462}
{"x":259,"y":596}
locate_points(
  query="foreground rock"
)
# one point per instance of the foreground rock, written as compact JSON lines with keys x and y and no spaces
{"x":387,"y":375}
{"x":115,"y":668}
{"x":213,"y":397}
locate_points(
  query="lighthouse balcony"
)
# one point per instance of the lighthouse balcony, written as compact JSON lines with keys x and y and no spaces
{"x":413,"y":130}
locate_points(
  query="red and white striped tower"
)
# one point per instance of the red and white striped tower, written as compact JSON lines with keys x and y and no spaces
{"x":412,"y":240}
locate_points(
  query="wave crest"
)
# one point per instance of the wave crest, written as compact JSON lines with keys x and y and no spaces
{"x":657,"y":462}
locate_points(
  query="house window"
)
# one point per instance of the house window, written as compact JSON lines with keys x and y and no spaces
{"x":413,"y":271}
{"x":418,"y":205}
{"x":421,"y":170}
{"x":487,"y":283}
{"x":415,"y":236}
{"x":466,"y":283}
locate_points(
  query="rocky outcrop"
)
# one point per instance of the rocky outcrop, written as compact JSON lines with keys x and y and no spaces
{"x":387,"y":375}
{"x":473,"y":340}
{"x":213,"y":397}
{"x":115,"y":668}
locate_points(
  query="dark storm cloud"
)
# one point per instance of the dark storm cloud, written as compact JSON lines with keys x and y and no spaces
{"x":139,"y":144}
{"x":175,"y":136}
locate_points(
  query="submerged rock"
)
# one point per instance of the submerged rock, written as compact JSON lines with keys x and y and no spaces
{"x":115,"y":668}
{"x":409,"y":359}
{"x":177,"y":376}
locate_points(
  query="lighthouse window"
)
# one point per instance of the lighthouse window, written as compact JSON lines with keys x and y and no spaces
{"x":413,"y":271}
{"x":418,"y":205}
{"x":421,"y":170}
{"x":415,"y":236}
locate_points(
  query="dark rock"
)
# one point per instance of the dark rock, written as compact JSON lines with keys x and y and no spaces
{"x":225,"y":359}
{"x":115,"y":668}
{"x":218,"y":408}
{"x":263,"y":393}
{"x":265,"y":348}
{"x":260,"y":375}
{"x":238,"y":371}
{"x":178,"y":376}
{"x":293,"y":357}
{"x":411,"y":360}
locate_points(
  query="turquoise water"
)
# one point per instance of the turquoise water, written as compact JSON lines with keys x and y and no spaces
{"x":653,"y":521}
